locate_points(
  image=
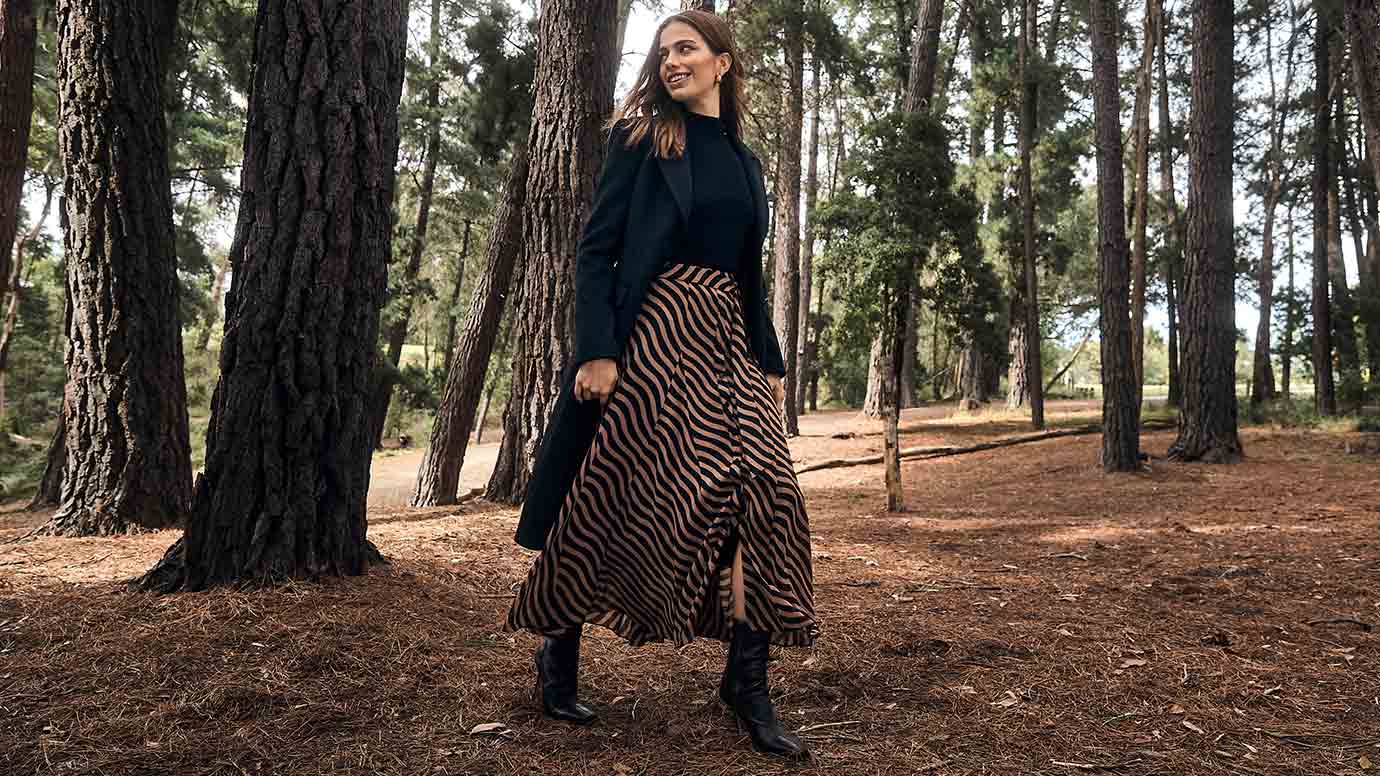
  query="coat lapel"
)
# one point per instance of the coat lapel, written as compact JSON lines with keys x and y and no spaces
{"x":677,"y":174}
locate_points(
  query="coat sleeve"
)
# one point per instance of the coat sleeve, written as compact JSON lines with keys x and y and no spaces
{"x":600,"y":245}
{"x":772,"y":362}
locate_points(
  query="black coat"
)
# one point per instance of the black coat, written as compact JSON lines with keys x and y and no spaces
{"x":641,"y":205}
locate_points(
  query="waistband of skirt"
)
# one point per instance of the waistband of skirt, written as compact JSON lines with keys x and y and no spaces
{"x":722,"y":280}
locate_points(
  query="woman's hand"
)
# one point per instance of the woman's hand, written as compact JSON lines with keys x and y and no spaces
{"x":596,"y":379}
{"x":778,"y":390}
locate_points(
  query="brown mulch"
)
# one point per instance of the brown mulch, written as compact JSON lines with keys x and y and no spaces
{"x":1028,"y":615}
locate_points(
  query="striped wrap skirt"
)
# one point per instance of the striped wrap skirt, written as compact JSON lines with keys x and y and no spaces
{"x":689,"y":462}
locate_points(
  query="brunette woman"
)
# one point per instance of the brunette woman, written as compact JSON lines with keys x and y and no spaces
{"x":663,"y":497}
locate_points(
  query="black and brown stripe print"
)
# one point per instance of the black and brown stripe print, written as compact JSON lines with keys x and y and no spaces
{"x":690,"y":449}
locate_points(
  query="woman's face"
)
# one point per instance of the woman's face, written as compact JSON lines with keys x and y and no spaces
{"x":688,"y":66}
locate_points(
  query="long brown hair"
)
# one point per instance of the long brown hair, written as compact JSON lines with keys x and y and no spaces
{"x":649,"y":107}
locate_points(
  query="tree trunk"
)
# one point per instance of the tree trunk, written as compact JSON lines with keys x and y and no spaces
{"x":451,"y":317}
{"x":1173,"y":238}
{"x":786,"y":190}
{"x":288,"y":447}
{"x":805,"y":355}
{"x":18,"y":34}
{"x":1324,"y":390}
{"x":577,"y":65}
{"x":1141,"y":131}
{"x":1263,"y":379}
{"x":972,"y":383}
{"x":128,"y":455}
{"x":49,"y":492}
{"x":1363,"y":30}
{"x":1207,"y":429}
{"x":1029,"y":98}
{"x":1350,"y":389}
{"x":396,"y":332}
{"x":1286,"y":366}
{"x":438,"y":478}
{"x":1120,"y":416}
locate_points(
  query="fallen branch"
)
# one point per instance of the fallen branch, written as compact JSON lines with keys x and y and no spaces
{"x":1365,"y":626}
{"x":1076,"y":353}
{"x":920,"y":453}
{"x":913,"y":453}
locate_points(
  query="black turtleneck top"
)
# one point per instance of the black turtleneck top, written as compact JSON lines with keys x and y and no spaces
{"x":721,"y":214}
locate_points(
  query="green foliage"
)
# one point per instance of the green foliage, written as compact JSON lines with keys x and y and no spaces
{"x":902,"y":210}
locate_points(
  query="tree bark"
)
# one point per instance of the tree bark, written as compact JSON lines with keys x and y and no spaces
{"x":1173,"y":238}
{"x":451,"y":317}
{"x":1029,"y":98}
{"x":786,"y":289}
{"x":288,"y":446}
{"x":438,"y":478}
{"x":1141,"y":131}
{"x":127,"y":461}
{"x":972,"y":382}
{"x":1207,"y":429}
{"x":1120,"y":413}
{"x":1286,"y":367}
{"x":396,"y":332}
{"x":1363,"y":30}
{"x":18,"y":35}
{"x":805,"y":352}
{"x":1324,"y":389}
{"x":577,"y":65}
{"x":1349,"y":387}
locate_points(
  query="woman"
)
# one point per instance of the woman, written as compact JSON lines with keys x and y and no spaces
{"x":663,"y":497}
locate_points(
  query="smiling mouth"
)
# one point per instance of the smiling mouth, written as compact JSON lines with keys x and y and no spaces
{"x":677,"y":79}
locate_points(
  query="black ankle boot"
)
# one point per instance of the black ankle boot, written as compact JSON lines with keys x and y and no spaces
{"x":728,"y":683}
{"x":558,"y":661}
{"x":746,"y":683}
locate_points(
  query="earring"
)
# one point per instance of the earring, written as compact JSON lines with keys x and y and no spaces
{"x":717,"y":78}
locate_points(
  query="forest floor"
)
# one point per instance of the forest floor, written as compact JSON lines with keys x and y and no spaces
{"x":1026,"y":615}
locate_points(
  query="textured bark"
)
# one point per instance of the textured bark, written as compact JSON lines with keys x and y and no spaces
{"x":1172,"y":228}
{"x":786,"y":193}
{"x":1029,"y":102}
{"x":1140,"y":128}
{"x":577,"y":65}
{"x":438,"y":478}
{"x":1017,"y":347}
{"x":395,"y":333}
{"x":1207,"y":428}
{"x":49,"y":492}
{"x":1120,"y":378}
{"x":1350,"y":391}
{"x":451,"y":317}
{"x":805,"y":352}
{"x":288,"y":447}
{"x":18,"y":34}
{"x":128,"y":454}
{"x":924,"y":56}
{"x":1324,"y":389}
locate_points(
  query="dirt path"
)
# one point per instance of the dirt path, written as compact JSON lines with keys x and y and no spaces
{"x":394,"y":473}
{"x":1026,"y":615}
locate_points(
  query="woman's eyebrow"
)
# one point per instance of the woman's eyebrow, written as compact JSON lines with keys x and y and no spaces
{"x":676,"y":43}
